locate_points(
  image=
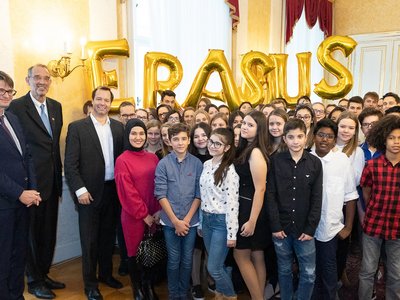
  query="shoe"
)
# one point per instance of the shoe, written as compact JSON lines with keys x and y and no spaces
{"x":93,"y":294}
{"x":52,"y":284}
{"x":111,"y":282}
{"x":211,"y":287}
{"x":41,"y":292}
{"x":197,"y":292}
{"x":148,"y":291}
{"x":123,"y":268}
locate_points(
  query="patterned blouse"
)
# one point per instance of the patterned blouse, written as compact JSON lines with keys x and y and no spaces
{"x":221,"y":199}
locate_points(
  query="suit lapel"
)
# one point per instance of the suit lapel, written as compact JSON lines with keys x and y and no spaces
{"x":52,"y":117}
{"x":93,"y":135}
{"x":33,"y":113}
{"x":17,"y":133}
{"x":114,"y":135}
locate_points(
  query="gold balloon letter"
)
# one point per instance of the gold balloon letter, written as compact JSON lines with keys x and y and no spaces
{"x":215,"y":62}
{"x":153,"y":60}
{"x":345,"y":79}
{"x":254,"y":67}
{"x":99,"y":50}
{"x":277,"y":79}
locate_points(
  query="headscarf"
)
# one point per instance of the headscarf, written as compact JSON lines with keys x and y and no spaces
{"x":129,"y":125}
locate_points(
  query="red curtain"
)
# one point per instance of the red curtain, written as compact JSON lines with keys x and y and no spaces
{"x":294,"y":9}
{"x":233,"y":11}
{"x":314,"y":9}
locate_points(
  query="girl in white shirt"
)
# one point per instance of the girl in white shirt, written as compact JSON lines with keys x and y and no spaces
{"x":219,"y":187}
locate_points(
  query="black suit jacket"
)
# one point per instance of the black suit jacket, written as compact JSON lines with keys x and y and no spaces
{"x":16,"y":170}
{"x":45,"y":150}
{"x":84,"y":162}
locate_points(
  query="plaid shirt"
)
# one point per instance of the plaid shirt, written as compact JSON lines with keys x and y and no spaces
{"x":382,"y":216}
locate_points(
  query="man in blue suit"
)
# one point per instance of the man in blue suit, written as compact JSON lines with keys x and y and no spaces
{"x":17,"y":193}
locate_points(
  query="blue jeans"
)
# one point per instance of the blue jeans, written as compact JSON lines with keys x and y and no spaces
{"x":179,"y":266}
{"x":305,"y":252}
{"x":371,"y":253}
{"x":214,"y":235}
{"x":326,"y":270}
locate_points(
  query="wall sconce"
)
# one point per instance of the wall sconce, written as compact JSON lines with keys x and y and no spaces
{"x":62,"y":67}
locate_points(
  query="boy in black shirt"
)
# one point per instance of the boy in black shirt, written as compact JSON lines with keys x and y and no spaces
{"x":294,"y":200}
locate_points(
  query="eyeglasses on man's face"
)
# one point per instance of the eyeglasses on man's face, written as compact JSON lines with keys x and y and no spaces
{"x":9,"y":92}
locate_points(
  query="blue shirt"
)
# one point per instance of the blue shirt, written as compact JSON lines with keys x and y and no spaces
{"x":179,"y":183}
{"x":367,"y":156}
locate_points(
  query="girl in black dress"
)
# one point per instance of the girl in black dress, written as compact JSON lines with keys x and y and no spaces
{"x":254,"y":234}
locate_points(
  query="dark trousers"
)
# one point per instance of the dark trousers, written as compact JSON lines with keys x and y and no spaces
{"x":42,"y":239}
{"x":97,"y":223}
{"x":14,"y":226}
{"x":326,"y":279}
{"x":123,"y":253}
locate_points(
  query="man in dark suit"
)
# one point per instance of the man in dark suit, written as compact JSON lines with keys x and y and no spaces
{"x":17,"y":193}
{"x":41,"y":120}
{"x":92,"y":146}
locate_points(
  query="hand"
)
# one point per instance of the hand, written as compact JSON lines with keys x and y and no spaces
{"x":231,"y":243}
{"x":30,"y":197}
{"x":279,"y":235}
{"x":156,"y":217}
{"x":305,"y":237}
{"x":181,"y":228}
{"x":344,"y":233}
{"x":149,"y":220}
{"x":248,"y":229}
{"x":85,"y":198}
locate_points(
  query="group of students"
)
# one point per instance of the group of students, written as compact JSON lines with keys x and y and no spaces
{"x":254,"y":178}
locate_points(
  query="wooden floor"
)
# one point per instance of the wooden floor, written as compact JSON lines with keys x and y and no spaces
{"x":71,"y":274}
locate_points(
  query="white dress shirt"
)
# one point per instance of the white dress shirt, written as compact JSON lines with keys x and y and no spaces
{"x":339,"y":187}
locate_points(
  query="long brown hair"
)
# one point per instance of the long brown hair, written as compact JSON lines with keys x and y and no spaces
{"x":260,"y":141}
{"x":352,"y":145}
{"x":226,"y":135}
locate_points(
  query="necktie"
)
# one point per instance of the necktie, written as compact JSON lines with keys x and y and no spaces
{"x":45,"y":119}
{"x":3,"y":124}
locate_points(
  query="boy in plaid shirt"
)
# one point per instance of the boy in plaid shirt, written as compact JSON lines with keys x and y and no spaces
{"x":380,"y":183}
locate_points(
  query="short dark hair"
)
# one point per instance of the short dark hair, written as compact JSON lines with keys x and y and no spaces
{"x":7,"y":79}
{"x":103,"y":88}
{"x":355,"y":99}
{"x":86,"y":106}
{"x":393,"y":109}
{"x":380,"y":131}
{"x":177,"y":128}
{"x":326,"y":123}
{"x":372,"y":95}
{"x":207,"y":108}
{"x":293,"y":124}
{"x":125,"y":103}
{"x":167,"y":93}
{"x":369,"y":111}
{"x":394,"y":95}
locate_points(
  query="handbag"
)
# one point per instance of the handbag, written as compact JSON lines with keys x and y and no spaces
{"x":152,"y":249}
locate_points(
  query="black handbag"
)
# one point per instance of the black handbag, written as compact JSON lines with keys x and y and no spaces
{"x":152,"y":249}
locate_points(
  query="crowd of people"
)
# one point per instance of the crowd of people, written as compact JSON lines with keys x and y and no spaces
{"x":270,"y":199}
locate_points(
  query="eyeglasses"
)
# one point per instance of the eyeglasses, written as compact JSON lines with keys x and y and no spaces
{"x":319,"y":111}
{"x":9,"y":92}
{"x":173,"y":118}
{"x":368,"y":125}
{"x":39,"y":78}
{"x":162,"y":114}
{"x":128,"y":116}
{"x":306,"y":117}
{"x":325,"y":136}
{"x":216,"y":145}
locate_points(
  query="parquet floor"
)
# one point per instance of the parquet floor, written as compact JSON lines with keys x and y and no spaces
{"x":71,"y":274}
